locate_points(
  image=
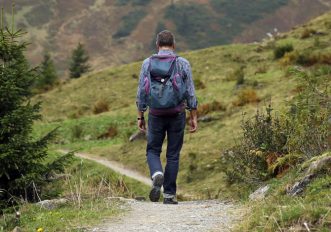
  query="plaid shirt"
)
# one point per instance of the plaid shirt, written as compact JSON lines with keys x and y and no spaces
{"x":184,"y":65}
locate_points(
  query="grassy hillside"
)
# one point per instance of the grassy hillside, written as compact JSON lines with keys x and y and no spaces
{"x":122,"y":31}
{"x":218,"y":73}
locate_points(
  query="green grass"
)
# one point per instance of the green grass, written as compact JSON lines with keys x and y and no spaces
{"x":87,"y":186}
{"x":278,"y":211}
{"x":70,"y":217}
{"x":117,"y":86}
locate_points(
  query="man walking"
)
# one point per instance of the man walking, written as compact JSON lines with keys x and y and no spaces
{"x":166,"y":88}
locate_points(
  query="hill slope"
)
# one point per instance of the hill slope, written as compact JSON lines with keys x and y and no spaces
{"x":122,"y":31}
{"x":215,"y":70}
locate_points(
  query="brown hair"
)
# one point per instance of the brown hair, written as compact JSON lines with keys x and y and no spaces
{"x":165,"y":39}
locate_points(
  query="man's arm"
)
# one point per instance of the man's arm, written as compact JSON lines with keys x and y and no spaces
{"x":141,"y":100}
{"x":193,"y":121}
{"x":191,"y":99}
{"x":141,"y":121}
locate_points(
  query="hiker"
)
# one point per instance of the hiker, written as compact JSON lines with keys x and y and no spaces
{"x":166,"y":88}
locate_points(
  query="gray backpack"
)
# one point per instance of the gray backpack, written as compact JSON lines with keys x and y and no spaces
{"x":165,"y":87}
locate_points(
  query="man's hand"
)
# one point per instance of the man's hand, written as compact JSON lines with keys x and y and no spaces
{"x":141,"y":121}
{"x":142,"y":125}
{"x":193,"y":121}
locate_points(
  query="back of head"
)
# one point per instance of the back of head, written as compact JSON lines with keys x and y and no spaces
{"x":165,"y":39}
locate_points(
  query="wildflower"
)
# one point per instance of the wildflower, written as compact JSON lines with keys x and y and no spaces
{"x":40,"y":229}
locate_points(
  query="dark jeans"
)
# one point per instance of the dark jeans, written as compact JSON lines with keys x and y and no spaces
{"x":158,"y":127}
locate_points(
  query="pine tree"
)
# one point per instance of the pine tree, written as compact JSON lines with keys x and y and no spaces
{"x":22,"y":157}
{"x":48,"y":75}
{"x":78,"y":63}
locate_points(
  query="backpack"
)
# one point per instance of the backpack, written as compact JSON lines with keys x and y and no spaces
{"x":165,"y":87}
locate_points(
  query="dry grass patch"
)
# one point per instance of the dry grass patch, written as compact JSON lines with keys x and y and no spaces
{"x":101,"y":106}
{"x":246,"y":96}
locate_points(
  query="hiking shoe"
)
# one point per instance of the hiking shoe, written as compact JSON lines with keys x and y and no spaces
{"x":170,"y":201}
{"x":155,"y":193}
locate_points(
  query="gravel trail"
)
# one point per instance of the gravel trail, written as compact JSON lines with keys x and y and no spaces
{"x":188,"y":216}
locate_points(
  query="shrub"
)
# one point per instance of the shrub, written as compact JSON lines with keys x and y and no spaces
{"x":308,"y":59}
{"x":237,"y":75}
{"x":77,"y":132}
{"x":263,"y":142}
{"x":289,"y":58}
{"x":111,"y":133}
{"x":204,"y":109}
{"x":100,"y":106}
{"x":307,"y":32}
{"x":280,"y":51}
{"x":246,"y":96}
{"x":271,"y":145}
{"x":309,"y":114}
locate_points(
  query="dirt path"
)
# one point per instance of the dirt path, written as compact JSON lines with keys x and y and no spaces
{"x":189,"y":216}
{"x":117,"y":167}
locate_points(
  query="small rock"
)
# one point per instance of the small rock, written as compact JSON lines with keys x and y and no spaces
{"x":138,"y":135}
{"x":260,"y":193}
{"x":52,"y":204}
{"x":87,"y":137}
{"x":314,"y":165}
{"x":206,"y":118}
{"x":319,"y":164}
{"x":299,"y":186}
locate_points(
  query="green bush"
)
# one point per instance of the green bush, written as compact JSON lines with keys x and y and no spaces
{"x":77,"y":132}
{"x":237,"y":75}
{"x":310,"y":113}
{"x":100,"y":106}
{"x":263,"y":137}
{"x":246,"y":96}
{"x":270,"y":145}
{"x":280,"y":51}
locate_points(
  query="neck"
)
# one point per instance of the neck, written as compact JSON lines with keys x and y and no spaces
{"x":166,"y":48}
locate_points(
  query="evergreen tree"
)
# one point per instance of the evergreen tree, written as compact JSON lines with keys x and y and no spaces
{"x":48,"y":75}
{"x":23,"y":169}
{"x":78,"y":63}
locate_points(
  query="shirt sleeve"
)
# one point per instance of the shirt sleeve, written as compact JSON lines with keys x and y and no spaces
{"x":191,"y":100}
{"x":141,"y":96}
